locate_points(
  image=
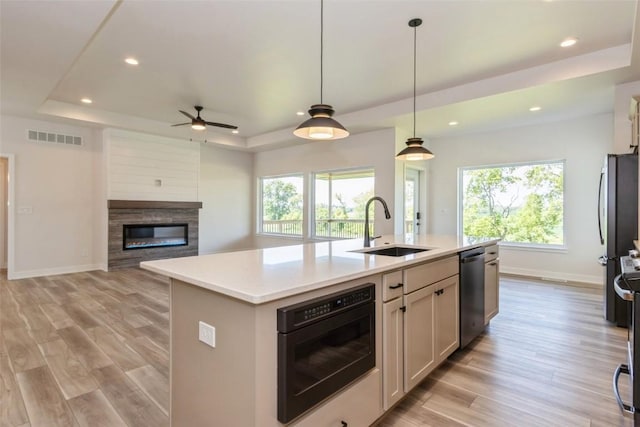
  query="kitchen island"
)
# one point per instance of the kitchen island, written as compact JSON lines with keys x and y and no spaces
{"x":235,"y":383}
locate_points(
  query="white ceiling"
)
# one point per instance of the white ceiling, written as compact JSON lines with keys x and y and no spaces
{"x":255,"y":63}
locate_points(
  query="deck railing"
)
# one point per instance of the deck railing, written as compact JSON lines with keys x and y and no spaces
{"x":325,"y":228}
{"x":291,"y":227}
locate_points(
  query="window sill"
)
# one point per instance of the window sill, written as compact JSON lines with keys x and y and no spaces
{"x":534,"y":248}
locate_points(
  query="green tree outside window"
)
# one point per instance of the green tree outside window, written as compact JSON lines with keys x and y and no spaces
{"x":517,"y":203}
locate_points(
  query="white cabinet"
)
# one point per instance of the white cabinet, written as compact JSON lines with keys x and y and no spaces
{"x":491,"y":283}
{"x":353,"y":406}
{"x":392,"y":285}
{"x":420,"y":327}
{"x":447,"y":317}
{"x":419,"y":336}
{"x":392,"y":351}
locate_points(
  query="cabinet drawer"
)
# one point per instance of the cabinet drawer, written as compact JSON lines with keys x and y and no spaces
{"x":491,"y":252}
{"x":428,"y":273}
{"x":392,"y":285}
{"x":358,"y":405}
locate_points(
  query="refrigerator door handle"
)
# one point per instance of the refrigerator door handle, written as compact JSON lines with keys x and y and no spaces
{"x":600,"y":207}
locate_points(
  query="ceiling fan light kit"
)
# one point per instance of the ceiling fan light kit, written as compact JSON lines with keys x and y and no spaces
{"x":414,"y":150}
{"x":321,"y":126}
{"x":198,"y":123}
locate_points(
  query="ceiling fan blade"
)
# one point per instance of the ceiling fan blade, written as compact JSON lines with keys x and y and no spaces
{"x":222,"y":125}
{"x":187,"y":114}
{"x":181,"y":124}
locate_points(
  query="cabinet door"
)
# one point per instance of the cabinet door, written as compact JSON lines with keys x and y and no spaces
{"x":447,"y":317}
{"x":491,"y":290}
{"x":392,"y":348}
{"x":419,"y":354}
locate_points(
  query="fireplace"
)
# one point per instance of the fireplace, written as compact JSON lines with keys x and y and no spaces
{"x":141,"y":236}
{"x":141,"y":230}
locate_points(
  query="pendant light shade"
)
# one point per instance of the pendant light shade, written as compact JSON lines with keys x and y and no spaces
{"x":414,"y":150}
{"x":321,"y":126}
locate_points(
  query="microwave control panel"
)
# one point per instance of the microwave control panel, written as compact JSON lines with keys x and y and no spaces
{"x":298,"y":315}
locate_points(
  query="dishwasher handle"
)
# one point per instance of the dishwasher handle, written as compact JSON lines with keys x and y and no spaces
{"x":472,"y":258}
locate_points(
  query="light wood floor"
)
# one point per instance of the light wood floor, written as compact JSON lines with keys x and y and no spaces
{"x":91,"y":349}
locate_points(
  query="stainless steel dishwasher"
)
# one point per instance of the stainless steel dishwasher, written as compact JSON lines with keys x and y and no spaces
{"x":471,"y":295}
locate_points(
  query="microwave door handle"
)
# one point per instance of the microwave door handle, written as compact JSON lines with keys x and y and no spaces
{"x":600,"y":208}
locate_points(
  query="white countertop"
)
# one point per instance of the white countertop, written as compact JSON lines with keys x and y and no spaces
{"x":262,"y":275}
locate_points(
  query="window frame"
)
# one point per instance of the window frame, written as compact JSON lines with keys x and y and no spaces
{"x":312,"y":198}
{"x":540,"y":247}
{"x":260,"y":206}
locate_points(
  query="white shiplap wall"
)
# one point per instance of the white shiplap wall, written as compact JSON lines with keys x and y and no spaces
{"x":137,"y":163}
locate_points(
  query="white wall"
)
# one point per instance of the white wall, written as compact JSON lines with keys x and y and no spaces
{"x":582,"y":142}
{"x":61,"y":192}
{"x":371,"y":149}
{"x":225,"y":189}
{"x":622,"y":125}
{"x":54,"y":199}
{"x":148,"y":167}
{"x":189,"y":171}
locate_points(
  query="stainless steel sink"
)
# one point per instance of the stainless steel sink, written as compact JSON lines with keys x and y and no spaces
{"x":394,"y":251}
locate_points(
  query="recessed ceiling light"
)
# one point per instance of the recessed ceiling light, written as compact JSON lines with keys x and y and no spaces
{"x":235,"y":131}
{"x":535,"y":108}
{"x":131,"y":61}
{"x":453,"y":123}
{"x":569,"y":42}
{"x":300,"y":113}
{"x":86,"y":100}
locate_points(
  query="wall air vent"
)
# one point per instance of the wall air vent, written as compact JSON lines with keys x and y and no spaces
{"x":54,"y":138}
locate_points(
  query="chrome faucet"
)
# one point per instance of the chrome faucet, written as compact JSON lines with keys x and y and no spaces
{"x":367,"y":239}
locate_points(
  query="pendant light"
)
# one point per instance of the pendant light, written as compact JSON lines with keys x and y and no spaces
{"x":414,"y":150}
{"x":321,"y":126}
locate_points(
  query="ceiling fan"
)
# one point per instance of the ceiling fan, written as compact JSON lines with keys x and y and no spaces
{"x":198,"y":123}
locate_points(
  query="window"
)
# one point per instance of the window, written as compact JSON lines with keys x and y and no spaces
{"x":340,"y":197}
{"x":281,"y":205}
{"x":522,"y":204}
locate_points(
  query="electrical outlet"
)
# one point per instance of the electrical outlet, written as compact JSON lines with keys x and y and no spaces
{"x":207,"y":334}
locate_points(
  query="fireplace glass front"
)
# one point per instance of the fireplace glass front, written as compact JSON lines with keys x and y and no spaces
{"x":142,"y":236}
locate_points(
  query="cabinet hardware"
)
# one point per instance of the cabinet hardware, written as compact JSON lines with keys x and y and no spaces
{"x":399,"y":285}
{"x":493,"y":263}
{"x":492,"y":253}
{"x":403,"y":308}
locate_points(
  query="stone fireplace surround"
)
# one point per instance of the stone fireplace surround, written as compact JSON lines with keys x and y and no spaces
{"x":123,"y":212}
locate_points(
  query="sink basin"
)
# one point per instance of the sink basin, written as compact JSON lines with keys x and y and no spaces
{"x":394,"y":251}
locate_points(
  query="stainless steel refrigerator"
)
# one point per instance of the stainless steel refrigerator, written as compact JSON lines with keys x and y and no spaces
{"x":618,"y":226}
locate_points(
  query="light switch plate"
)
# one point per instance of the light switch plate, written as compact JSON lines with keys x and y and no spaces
{"x":207,"y":334}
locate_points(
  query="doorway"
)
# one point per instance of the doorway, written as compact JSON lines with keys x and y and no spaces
{"x":4,"y":199}
{"x":7,"y":185}
{"x":412,"y":213}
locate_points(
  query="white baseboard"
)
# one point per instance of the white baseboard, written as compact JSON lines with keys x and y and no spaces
{"x":54,"y":271}
{"x":553,"y":275}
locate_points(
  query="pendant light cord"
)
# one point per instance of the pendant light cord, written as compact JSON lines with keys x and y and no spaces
{"x":321,"y":45}
{"x":415,"y":33}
